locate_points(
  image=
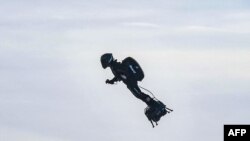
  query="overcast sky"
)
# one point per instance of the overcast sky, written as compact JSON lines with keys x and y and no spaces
{"x":195,"y":55}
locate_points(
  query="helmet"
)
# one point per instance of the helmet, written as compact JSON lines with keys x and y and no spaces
{"x":106,"y":59}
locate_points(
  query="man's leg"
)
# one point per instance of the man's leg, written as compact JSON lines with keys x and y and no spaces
{"x":140,"y":95}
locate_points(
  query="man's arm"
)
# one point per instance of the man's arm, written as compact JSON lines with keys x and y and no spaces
{"x":112,"y":81}
{"x":119,"y":70}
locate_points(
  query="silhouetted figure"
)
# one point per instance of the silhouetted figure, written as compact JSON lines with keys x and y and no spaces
{"x":129,"y":72}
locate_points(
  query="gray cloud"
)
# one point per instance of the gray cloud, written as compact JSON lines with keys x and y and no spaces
{"x":195,"y":56}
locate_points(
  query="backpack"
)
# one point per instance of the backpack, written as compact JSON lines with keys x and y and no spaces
{"x":133,"y":69}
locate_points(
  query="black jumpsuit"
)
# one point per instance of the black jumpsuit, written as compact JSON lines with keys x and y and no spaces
{"x":120,"y":73}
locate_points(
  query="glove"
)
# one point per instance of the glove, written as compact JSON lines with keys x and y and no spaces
{"x":109,"y":81}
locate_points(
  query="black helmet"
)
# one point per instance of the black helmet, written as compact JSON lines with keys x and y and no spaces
{"x":106,"y":59}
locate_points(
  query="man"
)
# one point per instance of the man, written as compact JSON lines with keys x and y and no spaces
{"x":121,"y":73}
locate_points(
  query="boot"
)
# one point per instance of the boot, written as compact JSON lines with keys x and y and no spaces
{"x":154,"y":104}
{"x":150,"y":102}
